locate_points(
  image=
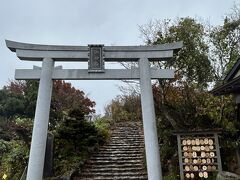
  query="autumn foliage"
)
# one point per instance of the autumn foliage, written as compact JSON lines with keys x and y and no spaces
{"x":75,"y":137}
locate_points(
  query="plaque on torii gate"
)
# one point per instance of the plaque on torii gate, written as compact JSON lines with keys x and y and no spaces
{"x":96,"y":56}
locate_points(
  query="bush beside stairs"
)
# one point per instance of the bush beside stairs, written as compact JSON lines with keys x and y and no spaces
{"x":121,"y":158}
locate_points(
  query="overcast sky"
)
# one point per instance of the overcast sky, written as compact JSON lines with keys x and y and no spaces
{"x":82,"y":22}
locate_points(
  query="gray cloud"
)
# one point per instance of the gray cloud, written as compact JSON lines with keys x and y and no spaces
{"x":82,"y":22}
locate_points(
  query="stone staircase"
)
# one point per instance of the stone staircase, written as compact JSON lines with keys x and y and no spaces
{"x":122,"y":158}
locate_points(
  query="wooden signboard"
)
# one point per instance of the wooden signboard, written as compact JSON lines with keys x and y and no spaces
{"x":199,"y":154}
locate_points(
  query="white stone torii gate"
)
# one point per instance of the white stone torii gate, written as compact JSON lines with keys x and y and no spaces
{"x":96,"y":55}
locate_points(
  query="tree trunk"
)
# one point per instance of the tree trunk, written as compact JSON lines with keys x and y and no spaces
{"x":170,"y":119}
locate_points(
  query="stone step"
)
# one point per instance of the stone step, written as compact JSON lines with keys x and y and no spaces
{"x":121,"y":166}
{"x":121,"y":137}
{"x":130,"y":137}
{"x":117,"y":143}
{"x":122,"y":147}
{"x":127,"y":134}
{"x":127,"y":138}
{"x":124,"y":144}
{"x":129,"y":146}
{"x":115,"y":169}
{"x":124,"y":128}
{"x":122,"y":151}
{"x":130,"y":131}
{"x":131,"y":143}
{"x":132,"y":125}
{"x":113,"y":174}
{"x":125,"y":141}
{"x":142,"y":177}
{"x":122,"y":158}
{"x":118,"y":155}
{"x":124,"y":131}
{"x":117,"y":158}
{"x":103,"y":162}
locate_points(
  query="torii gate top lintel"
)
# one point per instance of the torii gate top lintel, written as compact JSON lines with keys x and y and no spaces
{"x":36,"y":52}
{"x":96,"y":56}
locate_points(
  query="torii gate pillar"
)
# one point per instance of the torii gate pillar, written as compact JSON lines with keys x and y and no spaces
{"x":149,"y":122}
{"x":96,"y":55}
{"x":41,"y":120}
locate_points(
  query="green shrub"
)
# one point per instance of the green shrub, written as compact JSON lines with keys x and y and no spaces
{"x":75,"y":141}
{"x":17,"y":154}
{"x":171,"y":176}
{"x":103,"y":128}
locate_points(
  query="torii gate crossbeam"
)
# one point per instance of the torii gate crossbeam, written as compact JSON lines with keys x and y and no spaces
{"x":96,"y":55}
